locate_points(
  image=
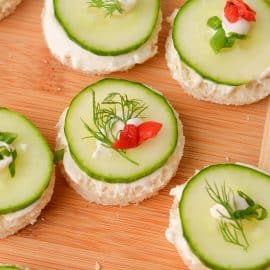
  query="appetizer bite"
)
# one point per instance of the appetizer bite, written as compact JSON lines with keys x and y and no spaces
{"x":218,"y":50}
{"x":7,"y":7}
{"x":102,"y":36}
{"x":121,"y":142}
{"x":26,"y":172}
{"x":12,"y":267}
{"x":220,"y":218}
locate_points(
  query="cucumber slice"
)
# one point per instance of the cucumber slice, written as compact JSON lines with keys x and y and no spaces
{"x":238,"y":65}
{"x":201,"y":230}
{"x":108,"y":36}
{"x":34,"y":165}
{"x":9,"y":268}
{"x":113,"y":168}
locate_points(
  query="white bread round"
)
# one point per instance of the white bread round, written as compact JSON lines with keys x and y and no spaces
{"x":11,"y":226}
{"x":206,"y":90}
{"x":117,"y":194}
{"x":71,"y":54}
{"x":20,"y":267}
{"x":7,"y":7}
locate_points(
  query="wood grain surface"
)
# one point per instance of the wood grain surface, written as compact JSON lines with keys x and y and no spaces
{"x":73,"y":234}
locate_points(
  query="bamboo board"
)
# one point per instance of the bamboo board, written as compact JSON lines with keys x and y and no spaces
{"x":72,"y":234}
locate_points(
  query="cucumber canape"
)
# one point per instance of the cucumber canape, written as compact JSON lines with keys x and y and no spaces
{"x":26,"y":172}
{"x":223,"y":55}
{"x":7,"y":7}
{"x":220,"y":218}
{"x":102,"y":36}
{"x":121,"y":142}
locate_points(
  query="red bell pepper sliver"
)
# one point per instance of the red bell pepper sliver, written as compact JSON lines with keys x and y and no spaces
{"x":148,"y":130}
{"x":132,"y":136}
{"x":128,"y":138}
{"x":236,"y":9}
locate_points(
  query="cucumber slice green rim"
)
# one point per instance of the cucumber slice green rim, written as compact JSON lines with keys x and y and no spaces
{"x":116,"y":169}
{"x":100,"y":49}
{"x":236,"y":251}
{"x":203,"y":70}
{"x":13,"y":196}
{"x":9,"y":267}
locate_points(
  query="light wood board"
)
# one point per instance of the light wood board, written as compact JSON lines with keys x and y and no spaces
{"x":73,"y":234}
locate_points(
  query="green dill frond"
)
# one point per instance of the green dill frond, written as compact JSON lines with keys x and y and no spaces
{"x":109,"y":6}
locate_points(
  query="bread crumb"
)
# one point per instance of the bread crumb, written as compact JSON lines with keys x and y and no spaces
{"x":227,"y":158}
{"x":45,"y":61}
{"x":248,"y":117}
{"x":98,"y":266}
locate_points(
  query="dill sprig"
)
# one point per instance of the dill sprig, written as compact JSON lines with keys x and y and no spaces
{"x":8,"y":138}
{"x":231,"y":225}
{"x":115,"y":108}
{"x":109,"y":6}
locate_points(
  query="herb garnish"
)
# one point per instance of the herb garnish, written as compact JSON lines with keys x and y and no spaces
{"x":109,"y":6}
{"x":115,"y":108}
{"x":219,"y":40}
{"x":231,"y":225}
{"x":58,"y":155}
{"x":8,"y":138}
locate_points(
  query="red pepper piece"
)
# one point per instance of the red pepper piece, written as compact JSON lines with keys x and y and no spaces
{"x":236,"y":9}
{"x":231,"y":12}
{"x":128,"y":138}
{"x":148,"y":130}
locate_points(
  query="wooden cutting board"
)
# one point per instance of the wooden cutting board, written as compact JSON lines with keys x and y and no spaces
{"x":73,"y":234}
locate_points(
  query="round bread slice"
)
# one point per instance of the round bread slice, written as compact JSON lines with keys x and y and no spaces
{"x":7,"y":7}
{"x":71,"y":54}
{"x":198,"y":87}
{"x":14,"y":222}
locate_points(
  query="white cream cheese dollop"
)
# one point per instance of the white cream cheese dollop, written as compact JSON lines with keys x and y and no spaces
{"x":240,"y":27}
{"x":4,"y":163}
{"x":127,"y":5}
{"x":218,"y":211}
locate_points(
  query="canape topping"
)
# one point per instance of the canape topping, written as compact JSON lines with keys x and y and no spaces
{"x":132,"y":136}
{"x":235,"y":24}
{"x":119,"y":124}
{"x":238,"y":9}
{"x":232,"y":210}
{"x":113,"y":7}
{"x":8,"y":154}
